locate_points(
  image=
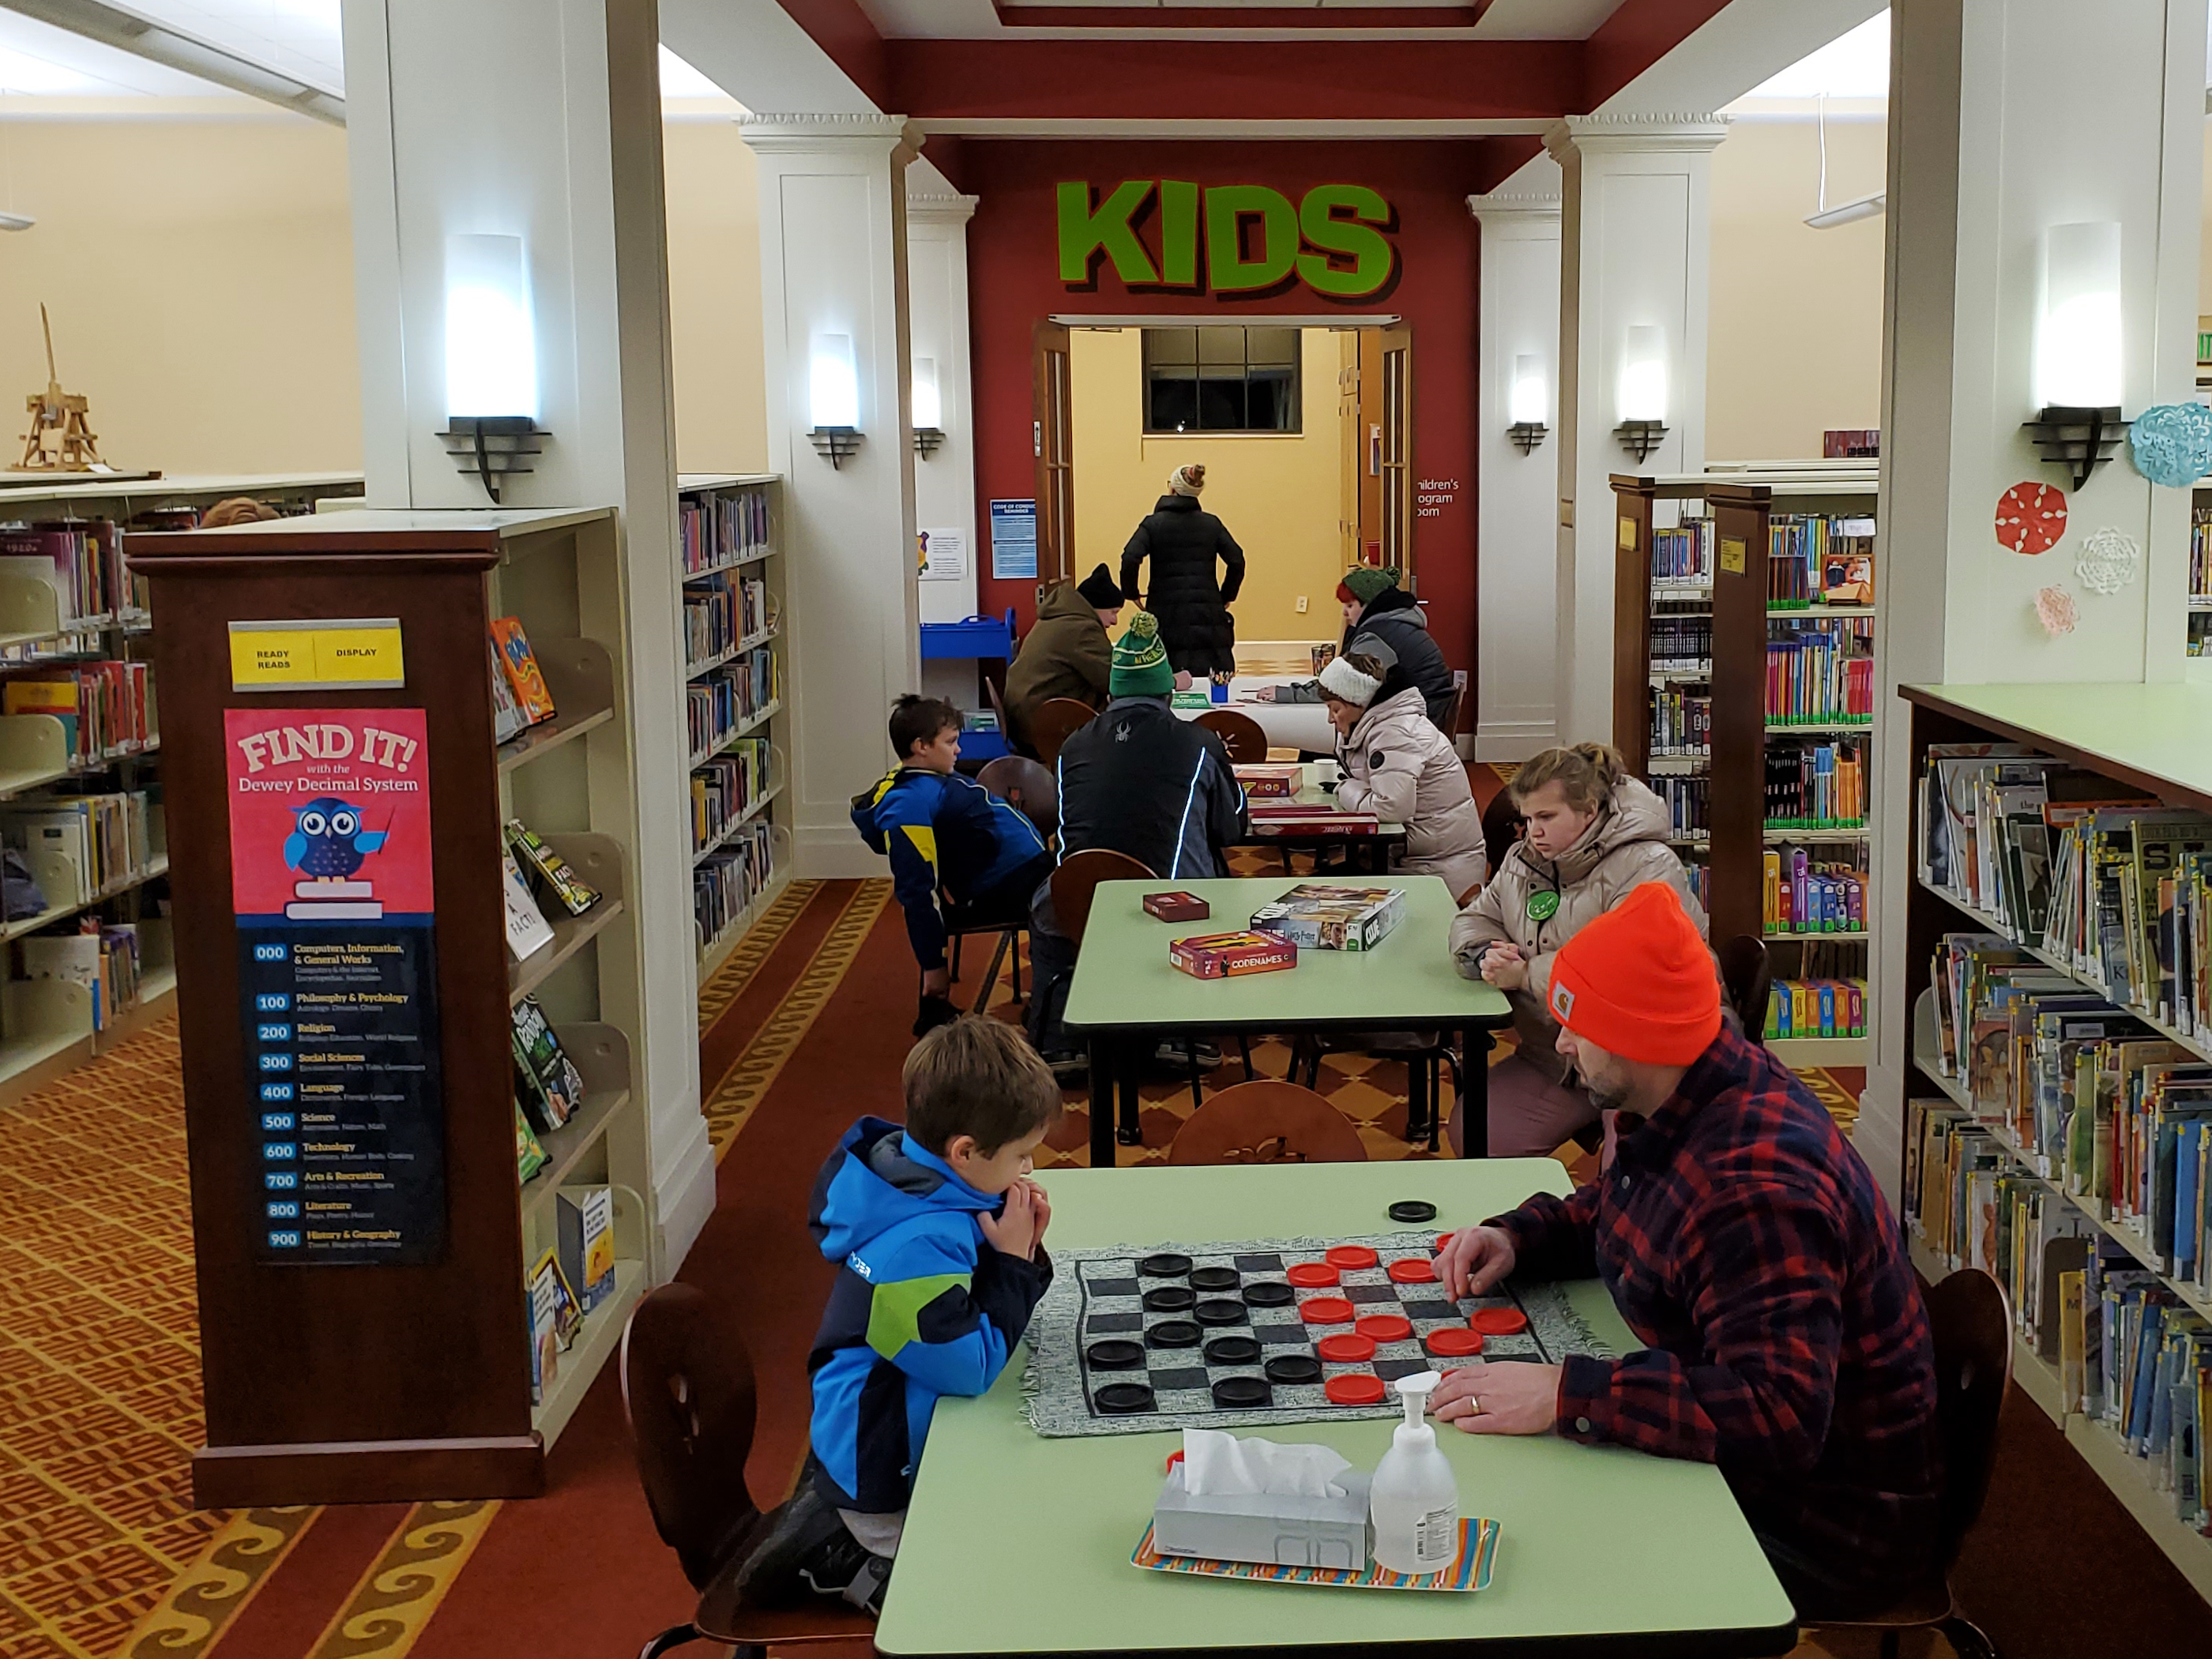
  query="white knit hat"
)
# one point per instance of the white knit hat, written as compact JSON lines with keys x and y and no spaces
{"x":1187,"y":480}
{"x":1347,"y":684}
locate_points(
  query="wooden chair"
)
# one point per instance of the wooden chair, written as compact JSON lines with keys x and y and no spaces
{"x":1501,"y":826}
{"x":1054,"y":724}
{"x":1028,"y":788}
{"x":1267,"y":1122}
{"x":688,"y":1393}
{"x":998,"y":711}
{"x":1240,"y":734}
{"x":1746,"y":979}
{"x":1973,"y":1327}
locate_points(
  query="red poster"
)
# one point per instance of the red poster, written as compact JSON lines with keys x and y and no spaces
{"x":329,"y":814}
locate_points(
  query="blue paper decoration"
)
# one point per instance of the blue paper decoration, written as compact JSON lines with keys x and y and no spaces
{"x":2173,"y":443}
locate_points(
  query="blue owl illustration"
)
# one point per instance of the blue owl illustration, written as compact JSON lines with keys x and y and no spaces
{"x":327,"y":841}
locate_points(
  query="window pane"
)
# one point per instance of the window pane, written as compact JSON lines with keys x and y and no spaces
{"x":1275,"y":348}
{"x":1171,"y":403}
{"x":1221,"y":345}
{"x":1221,"y":405}
{"x":1170,"y":345}
{"x":1271,"y":400}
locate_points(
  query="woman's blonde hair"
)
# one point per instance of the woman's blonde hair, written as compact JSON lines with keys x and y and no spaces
{"x":1586,"y":773}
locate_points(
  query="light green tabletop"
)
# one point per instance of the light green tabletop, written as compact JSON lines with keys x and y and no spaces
{"x":2154,"y":732}
{"x":1123,"y":977}
{"x":1017,"y":1544}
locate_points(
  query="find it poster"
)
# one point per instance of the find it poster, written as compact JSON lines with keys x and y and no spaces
{"x":330,"y":882}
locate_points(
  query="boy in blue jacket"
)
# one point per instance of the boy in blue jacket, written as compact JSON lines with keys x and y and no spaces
{"x":939,"y":1235}
{"x":945,"y":834}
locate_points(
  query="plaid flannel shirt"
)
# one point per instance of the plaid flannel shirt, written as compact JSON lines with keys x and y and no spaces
{"x":1747,"y":1247}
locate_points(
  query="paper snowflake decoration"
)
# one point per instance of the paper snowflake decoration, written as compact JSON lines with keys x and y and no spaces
{"x":2173,"y":443}
{"x":2056,"y":610}
{"x":2031,"y":517}
{"x":2106,"y":562}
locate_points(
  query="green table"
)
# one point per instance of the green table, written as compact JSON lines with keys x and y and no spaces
{"x":1318,"y":790}
{"x":1016,"y":1544}
{"x":1124,"y":983}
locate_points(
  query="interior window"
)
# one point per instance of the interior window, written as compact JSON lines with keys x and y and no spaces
{"x":1221,"y":379}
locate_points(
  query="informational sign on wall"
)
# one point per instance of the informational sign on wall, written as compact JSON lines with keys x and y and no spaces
{"x":1013,"y":541}
{"x":943,"y":555}
{"x":1336,"y":239}
{"x":331,"y":884}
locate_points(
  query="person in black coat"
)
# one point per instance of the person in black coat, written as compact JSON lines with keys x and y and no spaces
{"x":1385,"y":622}
{"x":1183,"y":540}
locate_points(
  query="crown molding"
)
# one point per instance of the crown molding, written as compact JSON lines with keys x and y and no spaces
{"x":794,"y":134}
{"x":1690,"y":132}
{"x":939,"y":208}
{"x":1523,"y":207}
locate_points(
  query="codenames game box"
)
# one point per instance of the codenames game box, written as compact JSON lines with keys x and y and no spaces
{"x":1225,"y":956}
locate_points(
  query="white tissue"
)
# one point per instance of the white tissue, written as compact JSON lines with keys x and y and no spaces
{"x":1220,"y":1465}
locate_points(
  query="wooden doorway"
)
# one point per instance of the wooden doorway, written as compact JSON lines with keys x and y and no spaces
{"x":1375,"y":412}
{"x":1053,"y":412}
{"x":1395,"y":347}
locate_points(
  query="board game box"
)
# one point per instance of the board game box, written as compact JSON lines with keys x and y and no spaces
{"x":1178,"y":907}
{"x":1269,"y":1332}
{"x":1295,"y":820}
{"x":1317,"y":916}
{"x":1265,"y":781}
{"x":1226,"y":956}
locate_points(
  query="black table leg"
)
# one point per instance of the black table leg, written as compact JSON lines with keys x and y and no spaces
{"x":1101,"y":1101}
{"x":1129,"y":1072}
{"x":1417,"y":1099}
{"x":1475,"y":1140}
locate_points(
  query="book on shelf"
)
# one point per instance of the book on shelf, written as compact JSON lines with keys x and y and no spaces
{"x":727,"y":787}
{"x":527,"y":930}
{"x":1689,"y":804}
{"x":1681,"y":723}
{"x":722,"y":526}
{"x":1816,"y":1008}
{"x":529,"y":1151}
{"x":1811,"y":785}
{"x":1821,"y":670}
{"x":722,"y":612}
{"x":584,"y":1225}
{"x":716,"y":705}
{"x":1684,"y":554}
{"x":555,"y":1317}
{"x":729,"y":879}
{"x":548,"y":1085}
{"x":80,"y":845}
{"x":549,"y":870}
{"x":83,"y":561}
{"x":1815,"y":559}
{"x":508,"y":719}
{"x":106,"y":709}
{"x":524,"y":677}
{"x":1813,"y":890}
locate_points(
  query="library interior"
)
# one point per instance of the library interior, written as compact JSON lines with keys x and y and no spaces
{"x":1655,"y":554}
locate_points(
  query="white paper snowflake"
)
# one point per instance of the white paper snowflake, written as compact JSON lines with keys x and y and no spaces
{"x":2107,"y":561}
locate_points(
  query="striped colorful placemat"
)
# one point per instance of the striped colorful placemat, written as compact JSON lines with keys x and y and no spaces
{"x":1469,"y":1571}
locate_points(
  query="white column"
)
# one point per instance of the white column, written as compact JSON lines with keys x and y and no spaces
{"x":945,"y":480}
{"x":1633,"y":251}
{"x":833,"y":267}
{"x":2007,"y":118}
{"x":1516,"y":709}
{"x":541,"y":118}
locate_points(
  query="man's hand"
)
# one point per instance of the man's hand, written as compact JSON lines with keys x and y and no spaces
{"x":1265,"y":694}
{"x":1505,"y":967}
{"x":1473,"y":1259}
{"x":1505,"y":1396}
{"x":936,"y":981}
{"x":1014,"y":1231}
{"x":1182,"y":680}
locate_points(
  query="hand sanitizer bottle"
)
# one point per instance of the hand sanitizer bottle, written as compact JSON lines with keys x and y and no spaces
{"x":1414,"y":1500}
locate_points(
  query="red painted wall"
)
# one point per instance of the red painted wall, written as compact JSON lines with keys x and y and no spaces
{"x":1013,"y":281}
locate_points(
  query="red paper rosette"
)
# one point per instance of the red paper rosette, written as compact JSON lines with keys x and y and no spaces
{"x":2031,"y":518}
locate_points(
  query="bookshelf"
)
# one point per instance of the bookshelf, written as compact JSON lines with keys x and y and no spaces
{"x":729,"y":557}
{"x":48,"y":1027}
{"x":1731,"y":675}
{"x":2146,"y":740}
{"x":2200,"y":569}
{"x":313,"y":1371}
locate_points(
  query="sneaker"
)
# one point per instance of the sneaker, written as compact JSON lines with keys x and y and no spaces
{"x":1173,"y":1051}
{"x":805,"y":1551}
{"x":1071,"y":1069}
{"x":935,"y":1011}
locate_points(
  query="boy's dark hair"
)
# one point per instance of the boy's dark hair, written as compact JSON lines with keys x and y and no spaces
{"x":919,"y":720}
{"x":976,"y":1077}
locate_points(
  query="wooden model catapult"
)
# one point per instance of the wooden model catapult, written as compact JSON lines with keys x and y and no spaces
{"x":61,"y":438}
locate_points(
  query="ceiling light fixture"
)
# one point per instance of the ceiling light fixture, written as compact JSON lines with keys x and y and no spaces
{"x":142,"y":37}
{"x":1824,"y":217}
{"x":16,"y":221}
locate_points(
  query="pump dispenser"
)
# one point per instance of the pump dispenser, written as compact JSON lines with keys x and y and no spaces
{"x":1414,"y":1500}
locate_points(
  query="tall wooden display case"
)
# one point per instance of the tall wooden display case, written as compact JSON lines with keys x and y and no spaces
{"x":330,"y":1377}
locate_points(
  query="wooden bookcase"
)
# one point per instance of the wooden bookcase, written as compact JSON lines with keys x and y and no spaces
{"x":330,"y":1382}
{"x":2146,"y":736}
{"x":1732,"y":599}
{"x":756,"y":556}
{"x":49,"y":1027}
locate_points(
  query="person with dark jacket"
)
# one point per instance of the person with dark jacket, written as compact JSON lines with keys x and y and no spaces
{"x":1140,"y":781}
{"x":1066,"y":653}
{"x":951,"y":842}
{"x":1183,"y":540}
{"x":1387,"y":624}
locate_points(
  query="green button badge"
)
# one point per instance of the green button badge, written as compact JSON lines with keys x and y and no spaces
{"x":1543,"y":906}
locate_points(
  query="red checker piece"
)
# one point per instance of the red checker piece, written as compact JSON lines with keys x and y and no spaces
{"x":1311,"y":1274}
{"x":1349,"y":1255}
{"x":1345,"y":1349}
{"x":1325,"y":1311}
{"x":1412,"y":1271}
{"x":1498,"y":1322}
{"x":1442,"y":1239}
{"x":1385,"y":1327}
{"x":1455,"y":1341}
{"x":1354,"y":1389}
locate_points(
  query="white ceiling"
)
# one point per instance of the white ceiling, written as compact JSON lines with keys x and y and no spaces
{"x":1852,"y":65}
{"x":38,"y":60}
{"x":298,"y":38}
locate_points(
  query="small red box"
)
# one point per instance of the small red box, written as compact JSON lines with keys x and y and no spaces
{"x":1178,"y":907}
{"x":1226,"y":956}
{"x":1270,"y":782}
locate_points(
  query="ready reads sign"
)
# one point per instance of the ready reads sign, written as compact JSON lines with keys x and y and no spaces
{"x":1248,"y":239}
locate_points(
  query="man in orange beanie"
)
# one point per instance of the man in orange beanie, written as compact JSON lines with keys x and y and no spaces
{"x":1749,"y":1250}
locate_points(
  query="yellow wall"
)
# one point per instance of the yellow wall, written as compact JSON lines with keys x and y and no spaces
{"x":199,"y":273}
{"x":1279,"y":495}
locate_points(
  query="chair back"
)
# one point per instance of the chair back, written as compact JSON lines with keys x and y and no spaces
{"x":1458,"y":703}
{"x":1240,"y":734}
{"x":1747,"y":978}
{"x":687,"y":1387}
{"x":1055,"y":722}
{"x":1076,"y":883}
{"x":1501,"y":826}
{"x":999,"y":710}
{"x":1973,"y":1327}
{"x":1267,"y":1122}
{"x":1026,"y":786}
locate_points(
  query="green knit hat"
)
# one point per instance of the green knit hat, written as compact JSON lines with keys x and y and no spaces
{"x":1141,"y":661}
{"x":1364,"y":581}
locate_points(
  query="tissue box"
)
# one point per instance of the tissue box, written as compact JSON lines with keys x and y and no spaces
{"x":1317,"y":916}
{"x":1270,"y":781}
{"x":1226,"y":956}
{"x":1178,"y":907}
{"x":1275,"y":1530}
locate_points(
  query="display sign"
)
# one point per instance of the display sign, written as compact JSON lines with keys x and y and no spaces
{"x":359,"y":654}
{"x":1336,"y":239}
{"x":1013,"y":541}
{"x":332,"y":887}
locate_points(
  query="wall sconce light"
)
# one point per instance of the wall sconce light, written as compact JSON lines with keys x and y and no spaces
{"x":2078,"y":363}
{"x":1643,"y":393}
{"x":929,"y":408}
{"x":1529,"y":403}
{"x":834,"y":397}
{"x":491,"y":359}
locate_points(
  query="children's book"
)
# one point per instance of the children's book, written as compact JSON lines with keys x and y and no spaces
{"x":529,"y":1151}
{"x":522,"y":673}
{"x":527,"y":930}
{"x":550,"y":1086}
{"x":574,"y":894}
{"x":507,"y":721}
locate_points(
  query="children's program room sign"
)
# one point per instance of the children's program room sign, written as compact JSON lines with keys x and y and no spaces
{"x":1336,"y":239}
{"x":331,"y":883}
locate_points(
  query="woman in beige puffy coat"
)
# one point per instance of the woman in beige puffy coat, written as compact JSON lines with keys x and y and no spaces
{"x":1594,"y":836}
{"x":1394,"y":763}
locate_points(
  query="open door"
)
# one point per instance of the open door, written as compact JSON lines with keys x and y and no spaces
{"x":1052,"y":408}
{"x":1351,"y":445}
{"x":1395,"y":346}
